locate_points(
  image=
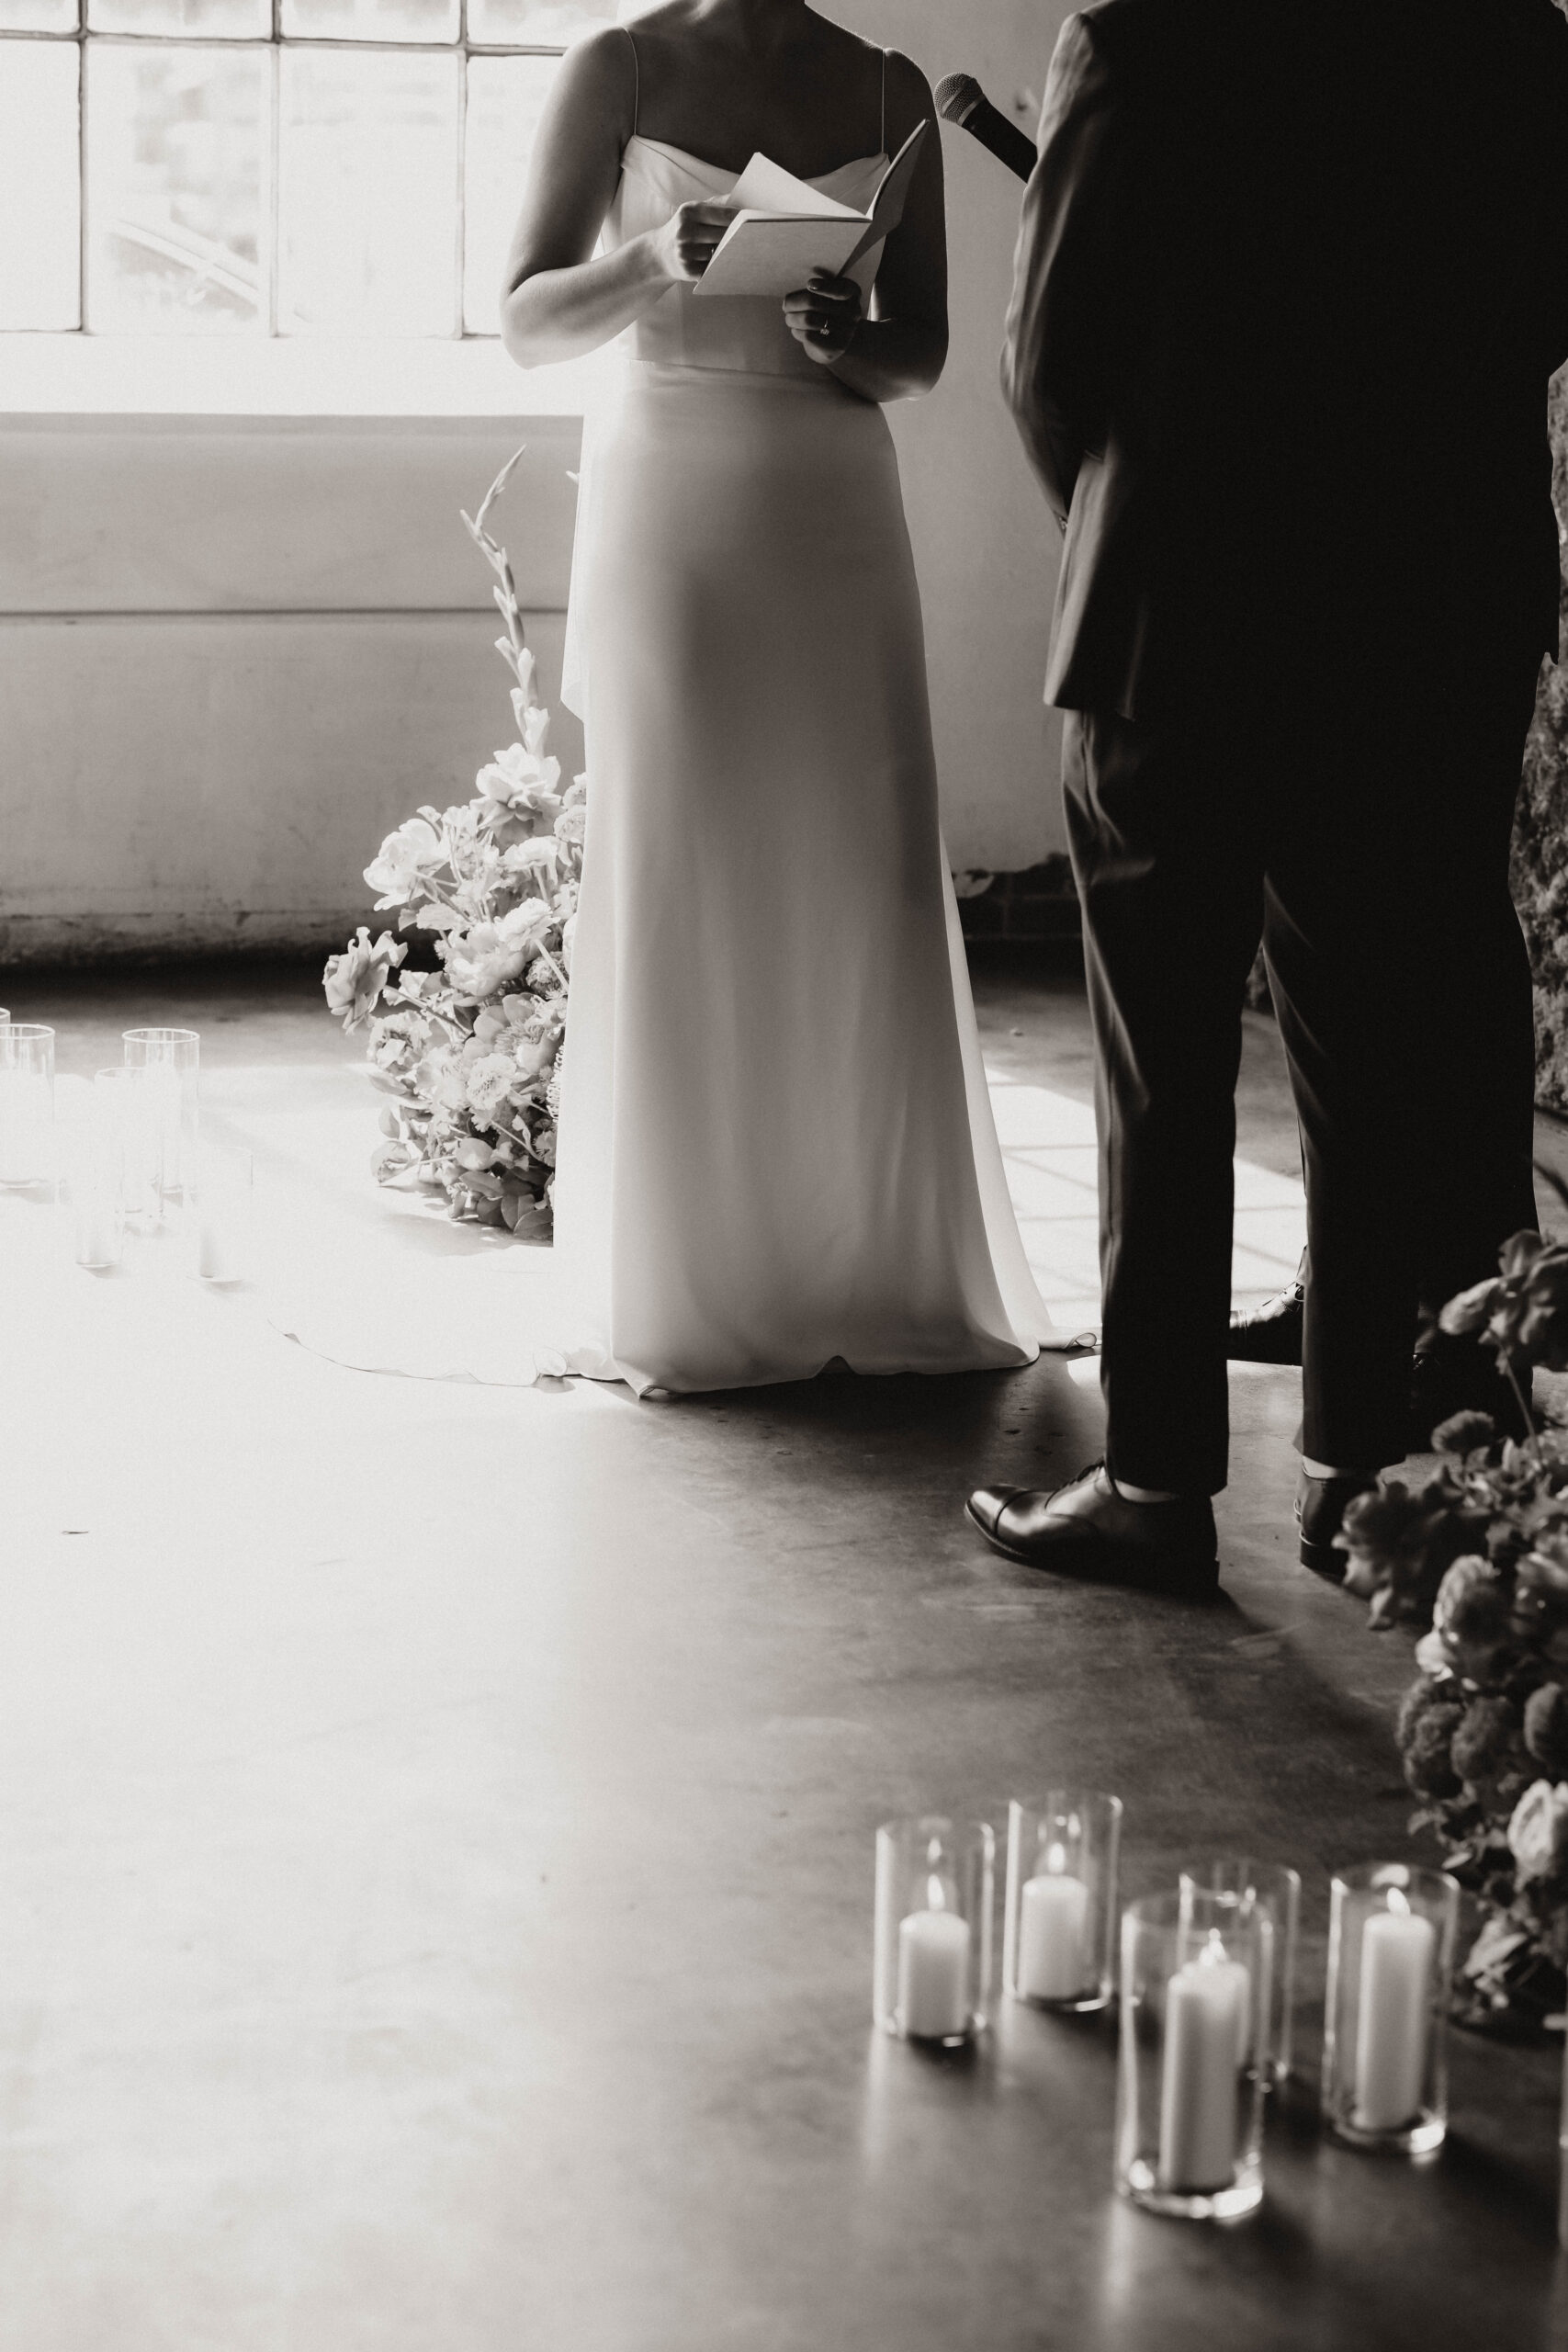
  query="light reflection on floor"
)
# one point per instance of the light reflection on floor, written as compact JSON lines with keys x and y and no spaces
{"x":1048,"y":1145}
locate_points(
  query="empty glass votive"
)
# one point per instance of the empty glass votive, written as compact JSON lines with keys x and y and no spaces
{"x":173,"y":1059}
{"x":126,"y":1131}
{"x":90,"y":1166}
{"x":1277,"y":1891}
{"x":1391,"y":1949}
{"x":222,"y":1194}
{"x":26,"y":1103}
{"x":1059,"y":1922}
{"x":932,"y":1966}
{"x":1189,"y":2091}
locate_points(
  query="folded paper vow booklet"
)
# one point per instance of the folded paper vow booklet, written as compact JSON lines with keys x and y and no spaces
{"x":784,"y":228}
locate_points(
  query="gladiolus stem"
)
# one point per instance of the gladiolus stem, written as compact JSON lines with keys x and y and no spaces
{"x":1514,"y":1383}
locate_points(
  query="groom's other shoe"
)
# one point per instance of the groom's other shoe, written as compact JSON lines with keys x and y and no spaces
{"x":1092,"y":1531}
{"x":1270,"y":1333}
{"x":1321,"y":1504}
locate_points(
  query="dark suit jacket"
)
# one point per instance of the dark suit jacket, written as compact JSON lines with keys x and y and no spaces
{"x":1291,"y":281}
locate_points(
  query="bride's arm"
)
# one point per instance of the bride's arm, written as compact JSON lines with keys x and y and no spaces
{"x":557,"y":301}
{"x":901,"y":348}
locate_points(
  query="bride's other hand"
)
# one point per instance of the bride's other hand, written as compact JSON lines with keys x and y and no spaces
{"x":689,"y":239}
{"x":824,"y":315}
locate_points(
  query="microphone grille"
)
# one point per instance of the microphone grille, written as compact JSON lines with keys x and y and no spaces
{"x":956,"y":93}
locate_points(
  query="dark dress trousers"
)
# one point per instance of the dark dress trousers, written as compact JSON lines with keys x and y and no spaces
{"x":1289,"y":286}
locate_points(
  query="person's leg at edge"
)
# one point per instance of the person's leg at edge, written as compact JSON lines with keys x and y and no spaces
{"x":1171,"y":900}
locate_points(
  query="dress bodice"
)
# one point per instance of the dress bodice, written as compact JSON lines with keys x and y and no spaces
{"x":735,"y":332}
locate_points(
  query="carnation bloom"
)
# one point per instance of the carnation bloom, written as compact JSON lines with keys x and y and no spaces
{"x":404,"y":860}
{"x":354,"y":980}
{"x":489,"y":1081}
{"x":1537,"y":1830}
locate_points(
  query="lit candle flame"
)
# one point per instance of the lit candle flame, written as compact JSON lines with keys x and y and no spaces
{"x":1056,"y":1860}
{"x":1397,"y":1904}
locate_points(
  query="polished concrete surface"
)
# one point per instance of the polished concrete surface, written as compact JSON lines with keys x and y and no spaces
{"x":437,"y":1822}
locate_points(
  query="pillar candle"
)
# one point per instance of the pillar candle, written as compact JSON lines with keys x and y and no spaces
{"x":1205,"y":2013}
{"x":1393,"y":2019}
{"x":1053,"y":1911}
{"x":933,"y":1974}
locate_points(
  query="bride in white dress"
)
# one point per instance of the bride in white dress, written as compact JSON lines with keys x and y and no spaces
{"x":776,"y":1148}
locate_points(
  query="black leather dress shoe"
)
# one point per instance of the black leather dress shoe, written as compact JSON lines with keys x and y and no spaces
{"x":1270,"y":1333}
{"x":1089,"y":1530}
{"x":1320,"y":1514}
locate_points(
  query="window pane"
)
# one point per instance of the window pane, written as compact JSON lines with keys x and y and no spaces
{"x":367,"y":193}
{"x":176,"y":146}
{"x":39,"y":184}
{"x":214,"y":19}
{"x":543,"y":23}
{"x":37,"y":15}
{"x":506,"y":95}
{"x":372,"y":19}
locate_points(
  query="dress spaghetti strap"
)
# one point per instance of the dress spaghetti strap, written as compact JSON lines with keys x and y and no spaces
{"x":883,"y":149}
{"x":637,"y":84}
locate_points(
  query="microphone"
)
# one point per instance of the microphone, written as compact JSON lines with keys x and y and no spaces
{"x":960,"y":99}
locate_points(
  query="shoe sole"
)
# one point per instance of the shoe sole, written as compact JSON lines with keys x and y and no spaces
{"x":1194,"y":1581}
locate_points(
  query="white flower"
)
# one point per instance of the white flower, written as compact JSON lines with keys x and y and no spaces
{"x":483,"y":961}
{"x":535,"y":1055}
{"x":489,"y":1081}
{"x":404,"y":861}
{"x":354,"y":980}
{"x":571,"y":824}
{"x":1432,"y":1656}
{"x":1537,"y":1830}
{"x":521,"y":780}
{"x":537,"y":855}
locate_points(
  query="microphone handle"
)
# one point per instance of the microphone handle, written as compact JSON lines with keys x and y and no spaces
{"x":1003,"y":139}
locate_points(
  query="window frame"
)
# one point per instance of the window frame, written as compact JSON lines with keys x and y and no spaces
{"x":275,"y":41}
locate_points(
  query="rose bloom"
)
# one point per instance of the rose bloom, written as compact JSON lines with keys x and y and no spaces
{"x":1537,"y":1830}
{"x":405,"y":858}
{"x":571,"y":825}
{"x":354,"y":980}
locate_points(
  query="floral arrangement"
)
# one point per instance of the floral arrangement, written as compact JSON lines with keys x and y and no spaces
{"x":1478,"y":1558}
{"x":468,"y":1051}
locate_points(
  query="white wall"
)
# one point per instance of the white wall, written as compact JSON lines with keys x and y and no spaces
{"x":233,"y":651}
{"x":985,"y":543}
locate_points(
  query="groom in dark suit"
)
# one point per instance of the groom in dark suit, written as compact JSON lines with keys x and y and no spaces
{"x":1289,"y":286}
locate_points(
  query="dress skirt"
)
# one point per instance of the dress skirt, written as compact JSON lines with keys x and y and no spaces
{"x":776,"y":1147}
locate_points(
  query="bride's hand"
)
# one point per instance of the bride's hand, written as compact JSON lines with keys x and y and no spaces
{"x":824,"y":315}
{"x":684,"y":246}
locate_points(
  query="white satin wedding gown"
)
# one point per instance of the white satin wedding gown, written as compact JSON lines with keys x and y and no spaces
{"x":776,"y":1145}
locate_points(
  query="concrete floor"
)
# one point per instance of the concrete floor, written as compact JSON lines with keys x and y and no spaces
{"x":437,"y":1831}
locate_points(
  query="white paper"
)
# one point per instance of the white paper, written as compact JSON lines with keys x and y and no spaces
{"x":762,"y":254}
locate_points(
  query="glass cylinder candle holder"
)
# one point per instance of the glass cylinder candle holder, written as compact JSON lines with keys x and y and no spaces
{"x":26,"y":1103}
{"x":1189,"y":2087}
{"x":1059,"y":1920}
{"x":931,"y":1967}
{"x":221,"y":1199}
{"x":126,"y":1135}
{"x":1391,"y":1950}
{"x":172,"y":1058}
{"x":1276,"y":1891}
